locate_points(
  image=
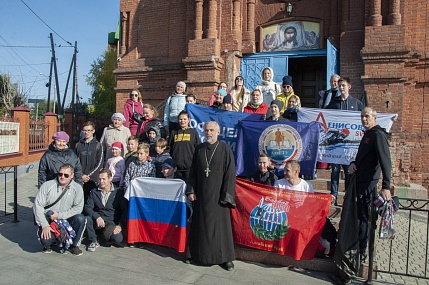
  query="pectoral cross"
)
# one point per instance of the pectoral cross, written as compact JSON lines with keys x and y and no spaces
{"x":207,"y":171}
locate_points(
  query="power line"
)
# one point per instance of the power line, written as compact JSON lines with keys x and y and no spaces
{"x":45,"y":23}
{"x":26,"y":64}
{"x":24,"y":46}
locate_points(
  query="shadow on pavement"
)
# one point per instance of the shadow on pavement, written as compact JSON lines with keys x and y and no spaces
{"x":22,"y":233}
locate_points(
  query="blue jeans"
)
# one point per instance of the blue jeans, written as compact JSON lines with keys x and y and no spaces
{"x":335,"y":177}
{"x":77,"y":222}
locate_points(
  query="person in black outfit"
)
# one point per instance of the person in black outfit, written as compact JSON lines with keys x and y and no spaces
{"x":106,"y":211}
{"x":264,"y":175}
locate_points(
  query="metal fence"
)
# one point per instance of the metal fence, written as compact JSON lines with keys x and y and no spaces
{"x":8,"y":177}
{"x":37,"y":135}
{"x":407,"y":253}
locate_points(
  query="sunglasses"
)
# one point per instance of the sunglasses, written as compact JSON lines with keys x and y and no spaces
{"x":287,"y":86}
{"x":134,"y":95}
{"x":239,"y":79}
{"x":63,"y":174}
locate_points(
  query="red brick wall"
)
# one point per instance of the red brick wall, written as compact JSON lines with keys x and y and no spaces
{"x":388,"y":62}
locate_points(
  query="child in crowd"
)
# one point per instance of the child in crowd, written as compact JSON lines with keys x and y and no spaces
{"x":152,"y":135}
{"x":169,"y":169}
{"x":132,"y":145}
{"x":116,"y":164}
{"x":159,"y":155}
{"x":141,"y":167}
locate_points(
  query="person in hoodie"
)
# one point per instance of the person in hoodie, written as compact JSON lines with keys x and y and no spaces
{"x":58,"y":153}
{"x":151,"y":136}
{"x":151,"y":120}
{"x":90,"y":153}
{"x":174,"y":105}
{"x":159,"y":155}
{"x":133,"y":105}
{"x":372,"y":159}
{"x":269,"y":89}
{"x":183,"y":142}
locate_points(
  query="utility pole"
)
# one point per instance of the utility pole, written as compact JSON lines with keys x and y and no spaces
{"x":57,"y":85}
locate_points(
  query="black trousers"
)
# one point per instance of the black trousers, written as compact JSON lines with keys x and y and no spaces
{"x":366,"y":193}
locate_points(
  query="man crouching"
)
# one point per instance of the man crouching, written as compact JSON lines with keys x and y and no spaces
{"x":63,"y":199}
{"x":106,"y":211}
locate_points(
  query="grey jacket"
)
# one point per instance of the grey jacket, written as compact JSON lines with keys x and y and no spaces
{"x":70,"y":204}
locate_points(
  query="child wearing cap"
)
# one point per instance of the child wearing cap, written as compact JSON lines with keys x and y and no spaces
{"x":116,"y":164}
{"x":143,"y":166}
{"x":169,"y":169}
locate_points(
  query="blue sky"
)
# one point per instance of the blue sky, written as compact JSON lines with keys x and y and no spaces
{"x":87,"y":22}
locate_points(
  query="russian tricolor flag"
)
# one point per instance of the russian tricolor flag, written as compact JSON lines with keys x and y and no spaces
{"x":157,"y":212}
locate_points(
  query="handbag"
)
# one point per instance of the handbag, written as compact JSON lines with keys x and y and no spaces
{"x":50,"y":205}
{"x":137,"y":116}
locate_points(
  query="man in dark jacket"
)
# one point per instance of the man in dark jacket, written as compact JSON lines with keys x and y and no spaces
{"x":58,"y":153}
{"x":372,"y":159}
{"x":90,"y":153}
{"x":105,"y":211}
{"x":342,"y":102}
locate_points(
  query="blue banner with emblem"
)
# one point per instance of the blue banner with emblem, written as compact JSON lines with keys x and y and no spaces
{"x":282,"y":141}
{"x":227,"y":120}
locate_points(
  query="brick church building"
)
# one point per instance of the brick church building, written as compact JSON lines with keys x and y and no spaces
{"x":382,"y":45}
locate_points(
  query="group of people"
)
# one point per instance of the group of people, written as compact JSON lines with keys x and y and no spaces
{"x":265,"y":97}
{"x":84,"y":187}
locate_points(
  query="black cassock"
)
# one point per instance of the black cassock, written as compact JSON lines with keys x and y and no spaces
{"x":210,"y":237}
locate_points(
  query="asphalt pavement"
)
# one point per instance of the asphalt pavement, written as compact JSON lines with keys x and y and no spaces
{"x":22,"y":262}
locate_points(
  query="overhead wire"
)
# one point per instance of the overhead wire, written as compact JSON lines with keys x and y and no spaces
{"x":46,"y":23}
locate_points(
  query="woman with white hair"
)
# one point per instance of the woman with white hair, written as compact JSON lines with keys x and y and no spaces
{"x":116,"y":132}
{"x":174,"y":105}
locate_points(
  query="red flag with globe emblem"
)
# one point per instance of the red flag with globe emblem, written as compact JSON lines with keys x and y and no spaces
{"x":286,"y":222}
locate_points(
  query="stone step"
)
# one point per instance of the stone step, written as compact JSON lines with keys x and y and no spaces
{"x":326,"y":173}
{"x":265,"y":257}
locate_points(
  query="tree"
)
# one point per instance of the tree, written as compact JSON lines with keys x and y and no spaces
{"x":10,"y":95}
{"x":103,"y":84}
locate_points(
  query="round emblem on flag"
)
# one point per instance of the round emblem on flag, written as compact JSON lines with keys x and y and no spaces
{"x":268,"y":223}
{"x":281,"y":142}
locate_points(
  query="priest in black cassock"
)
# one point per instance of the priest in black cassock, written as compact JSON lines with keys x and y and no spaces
{"x":212,"y":190}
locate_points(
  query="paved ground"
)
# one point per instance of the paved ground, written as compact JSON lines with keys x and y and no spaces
{"x":22,"y":262}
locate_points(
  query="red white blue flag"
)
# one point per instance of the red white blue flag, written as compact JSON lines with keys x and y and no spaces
{"x":157,"y":212}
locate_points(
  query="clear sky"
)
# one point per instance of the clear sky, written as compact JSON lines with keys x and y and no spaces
{"x":87,"y":22}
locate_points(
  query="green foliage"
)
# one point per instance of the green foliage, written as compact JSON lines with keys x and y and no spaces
{"x":277,"y":234}
{"x":42,"y":109}
{"x":10,"y":96}
{"x":103,"y":84}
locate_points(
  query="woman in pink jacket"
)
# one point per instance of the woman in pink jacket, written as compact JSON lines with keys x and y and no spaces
{"x":133,"y":105}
